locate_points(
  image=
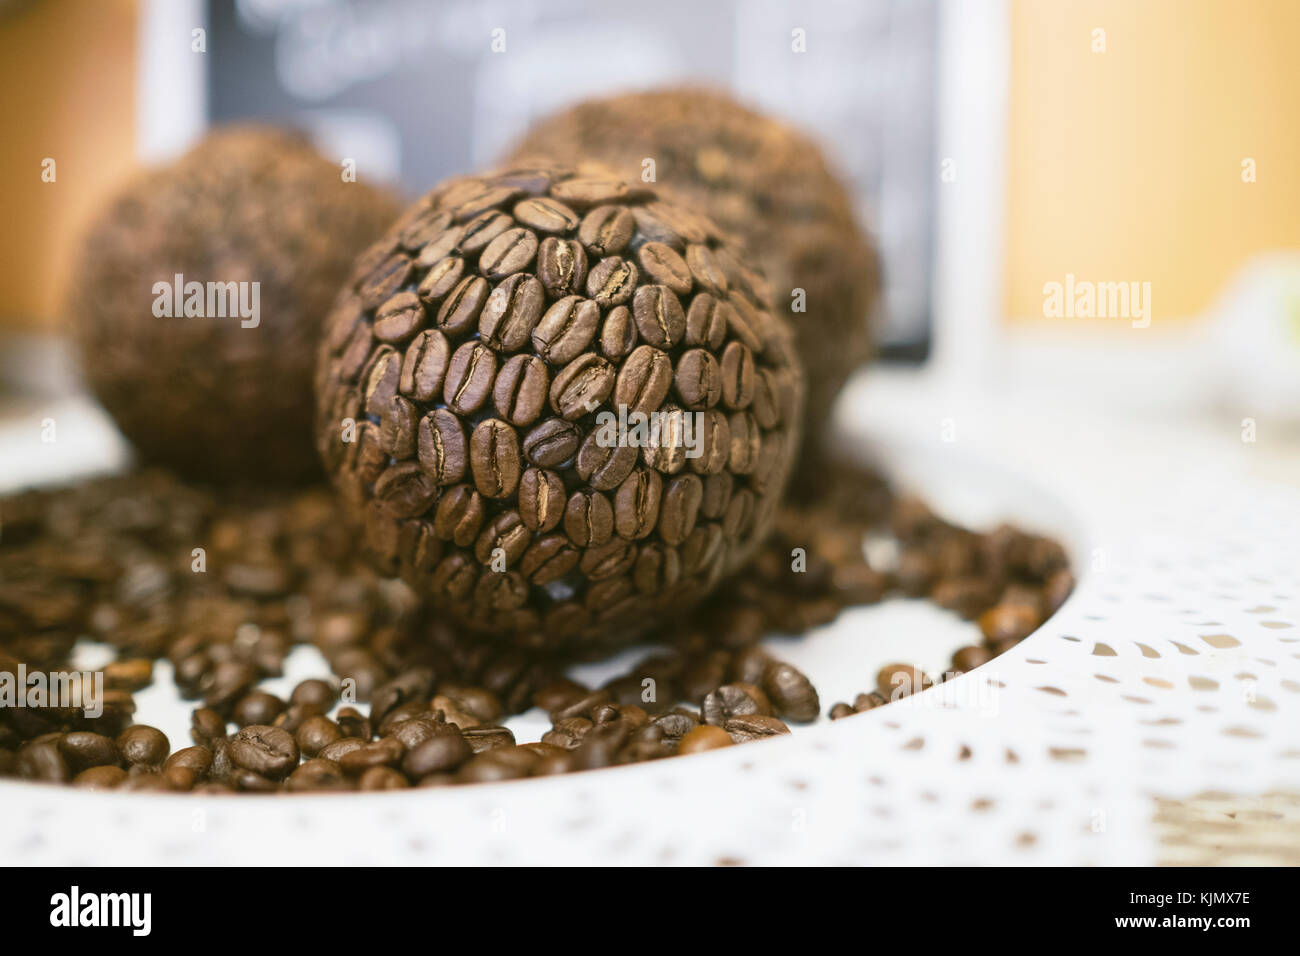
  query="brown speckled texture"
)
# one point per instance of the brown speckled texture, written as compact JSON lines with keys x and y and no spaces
{"x":213,"y":400}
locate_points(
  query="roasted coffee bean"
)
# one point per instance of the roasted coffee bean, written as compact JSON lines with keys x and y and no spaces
{"x":698,"y":379}
{"x":714,"y":447}
{"x":83,"y":750}
{"x":424,"y":366}
{"x":868,"y":701}
{"x":545,"y":215}
{"x":734,"y":700}
{"x":442,"y":449}
{"x":737,"y":376}
{"x":511,"y":313}
{"x":969,"y":658}
{"x":618,"y":334}
{"x":663,"y":265}
{"x":317,"y":775}
{"x":703,"y":737}
{"x":581,"y":386}
{"x":503,"y":763}
{"x":401,"y":714}
{"x":411,"y":733}
{"x":680,"y":509}
{"x":541,"y":499}
{"x":206,"y":725}
{"x":566,"y":329}
{"x":269,"y":752}
{"x":439,"y":754}
{"x":588,"y":519}
{"x":521,"y":389}
{"x":643,"y":381}
{"x":130,"y":674}
{"x":197,"y":760}
{"x":612,"y":282}
{"x":385,"y":280}
{"x":561,"y":266}
{"x":552,"y":443}
{"x":495,"y":459}
{"x":548,"y":559}
{"x":316,"y":733}
{"x":143,"y":745}
{"x":792,"y":694}
{"x":606,"y":230}
{"x":341,"y":748}
{"x":410,"y":685}
{"x":754,"y":727}
{"x":505,"y":535}
{"x":706,"y":322}
{"x":900,"y":680}
{"x":382,"y":778}
{"x":482,"y":230}
{"x":636,"y":504}
{"x":397,"y":428}
{"x":352,"y":723}
{"x":444,"y":276}
{"x":746,"y":443}
{"x":259,"y":707}
{"x":1009,"y":622}
{"x":103,"y":777}
{"x":512,"y":251}
{"x":659,"y":316}
{"x":483,"y":739}
{"x":470,"y":376}
{"x":459,"y":517}
{"x":386,"y":752}
{"x":602,"y":465}
{"x":398,"y":318}
{"x":840,"y":711}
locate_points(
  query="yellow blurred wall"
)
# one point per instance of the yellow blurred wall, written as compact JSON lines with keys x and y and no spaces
{"x":1126,"y":165}
{"x":67,"y":91}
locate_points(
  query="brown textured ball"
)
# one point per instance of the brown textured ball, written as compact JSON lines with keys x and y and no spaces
{"x":766,"y":185}
{"x":466,"y":389}
{"x":205,"y":395}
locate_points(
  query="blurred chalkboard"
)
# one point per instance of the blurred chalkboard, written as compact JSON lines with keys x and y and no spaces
{"x":414,"y":91}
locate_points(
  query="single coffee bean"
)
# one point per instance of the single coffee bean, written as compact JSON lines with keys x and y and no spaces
{"x":259,"y":707}
{"x":380,"y":380}
{"x":411,"y":733}
{"x":754,"y":727}
{"x":316,"y":694}
{"x":521,"y":389}
{"x":440,"y":280}
{"x":703,"y":737}
{"x":385,"y":280}
{"x":143,"y":745}
{"x":1009,"y":622}
{"x":352,"y":723}
{"x":900,"y":680}
{"x":83,"y":750}
{"x":317,"y":775}
{"x":552,"y":443}
{"x":405,"y":490}
{"x":483,"y":739}
{"x":604,"y":466}
{"x":737,"y":376}
{"x":658,"y":567}
{"x":340,"y":748}
{"x":459,"y":517}
{"x":792,"y":694}
{"x":659,"y":316}
{"x":511,"y":313}
{"x":482,"y":230}
{"x":494,"y":459}
{"x":734,"y":700}
{"x":636,"y":504}
{"x":386,"y":752}
{"x":507,"y":535}
{"x":706,"y":322}
{"x":548,"y":559}
{"x":459,"y":312}
{"x":581,"y":386}
{"x":566,"y":328}
{"x":643,"y":381}
{"x":612,"y":282}
{"x":267,"y":751}
{"x":438,"y":754}
{"x":663,"y":265}
{"x":705,"y":269}
{"x":397,"y":428}
{"x":869,"y":701}
{"x":197,"y":759}
{"x":698,"y":379}
{"x":512,"y":251}
{"x":315,"y":734}
{"x":746,"y":442}
{"x":618,"y":334}
{"x":714,"y":445}
{"x":103,"y":777}
{"x":969,"y":658}
{"x":543,"y":214}
{"x":382,"y":778}
{"x":680,"y":509}
{"x":470,"y":375}
{"x":541,"y":499}
{"x":561,"y":266}
{"x":606,"y":230}
{"x":441,"y":447}
{"x":206,"y":725}
{"x":399,"y":318}
{"x":131,"y":674}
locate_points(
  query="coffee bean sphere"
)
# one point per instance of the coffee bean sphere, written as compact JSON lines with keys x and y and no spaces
{"x":559,"y":405}
{"x":225,"y":395}
{"x":769,"y":187}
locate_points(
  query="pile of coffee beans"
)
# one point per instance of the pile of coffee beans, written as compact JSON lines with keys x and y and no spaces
{"x":223,"y":586}
{"x":198,"y":297}
{"x":770,"y":188}
{"x":559,"y":405}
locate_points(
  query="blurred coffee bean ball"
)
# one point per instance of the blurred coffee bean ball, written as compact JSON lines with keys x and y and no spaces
{"x":199,"y":294}
{"x":767,"y":185}
{"x":558,"y":405}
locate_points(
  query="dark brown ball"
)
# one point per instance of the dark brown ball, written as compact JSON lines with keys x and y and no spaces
{"x":471,"y":381}
{"x":769,"y":187}
{"x":221,"y":398}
